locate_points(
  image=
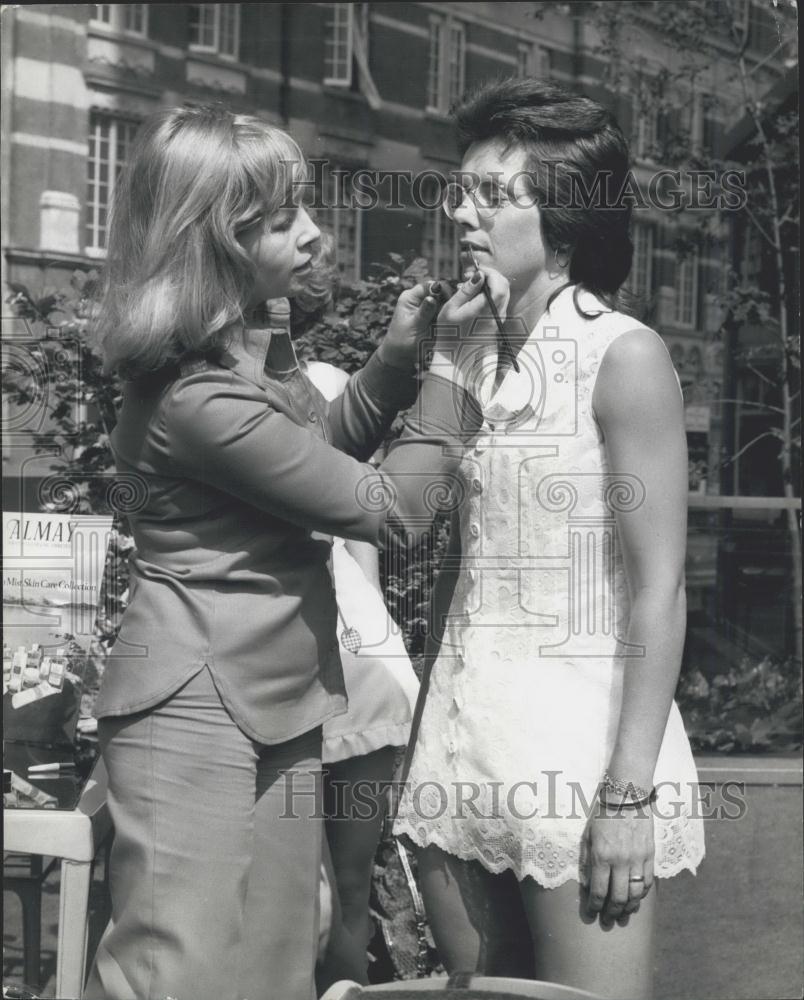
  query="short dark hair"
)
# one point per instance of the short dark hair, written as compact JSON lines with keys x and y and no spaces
{"x":570,"y":140}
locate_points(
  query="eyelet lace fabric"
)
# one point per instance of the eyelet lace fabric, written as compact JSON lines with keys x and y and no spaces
{"x":524,"y":700}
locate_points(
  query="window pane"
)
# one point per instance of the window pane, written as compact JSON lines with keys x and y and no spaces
{"x":103,"y":12}
{"x":434,"y":65}
{"x":194,"y":20}
{"x":523,"y":60}
{"x":125,"y":137}
{"x":456,"y":62}
{"x":338,"y":43}
{"x":109,"y":144}
{"x":543,"y":63}
{"x":230,"y":29}
{"x":134,"y":18}
{"x":641,"y":280}
{"x":202,"y":25}
{"x":342,"y":220}
{"x":686,"y":290}
{"x":208,"y":26}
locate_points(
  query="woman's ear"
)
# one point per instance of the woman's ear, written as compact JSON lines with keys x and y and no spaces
{"x":558,"y":260}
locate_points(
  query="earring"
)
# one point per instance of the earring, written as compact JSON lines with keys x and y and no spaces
{"x":562,"y":264}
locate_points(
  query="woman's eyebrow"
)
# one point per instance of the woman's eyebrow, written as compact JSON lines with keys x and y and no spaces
{"x":249,"y":221}
{"x":496,"y":177}
{"x":469,"y":179}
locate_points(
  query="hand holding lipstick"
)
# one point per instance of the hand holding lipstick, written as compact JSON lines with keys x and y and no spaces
{"x":467,"y":329}
{"x":504,"y":344}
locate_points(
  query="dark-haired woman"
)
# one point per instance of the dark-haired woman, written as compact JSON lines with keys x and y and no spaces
{"x":552,"y":781}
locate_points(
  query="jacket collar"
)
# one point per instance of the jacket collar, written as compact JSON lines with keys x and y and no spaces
{"x":246,"y":350}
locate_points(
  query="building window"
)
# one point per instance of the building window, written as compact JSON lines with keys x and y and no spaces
{"x":130,"y":18}
{"x":341,"y":216}
{"x":687,"y":290}
{"x":346,"y":50}
{"x":446,"y":71}
{"x":339,"y":45}
{"x":110,"y":140}
{"x":441,"y":243}
{"x":215,"y":27}
{"x":533,"y":60}
{"x":641,"y":279}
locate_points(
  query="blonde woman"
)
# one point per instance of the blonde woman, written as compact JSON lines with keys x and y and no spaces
{"x":226,"y":665}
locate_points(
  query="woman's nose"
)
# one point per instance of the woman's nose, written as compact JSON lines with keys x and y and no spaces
{"x":310,"y":230}
{"x":466,"y":213}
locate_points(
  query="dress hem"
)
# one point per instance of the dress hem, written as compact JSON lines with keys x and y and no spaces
{"x":344,"y":746}
{"x":433,"y":839}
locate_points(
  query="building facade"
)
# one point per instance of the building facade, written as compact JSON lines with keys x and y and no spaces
{"x":363,"y":87}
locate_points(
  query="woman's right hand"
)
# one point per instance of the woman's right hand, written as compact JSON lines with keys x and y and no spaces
{"x":468,"y":310}
{"x":466,"y":335}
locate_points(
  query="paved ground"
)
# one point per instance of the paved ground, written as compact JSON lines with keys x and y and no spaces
{"x":736,"y":929}
{"x":733,"y":932}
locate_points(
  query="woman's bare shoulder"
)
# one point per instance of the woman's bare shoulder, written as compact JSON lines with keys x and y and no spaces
{"x":636,"y":373}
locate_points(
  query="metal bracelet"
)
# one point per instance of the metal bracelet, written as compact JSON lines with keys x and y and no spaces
{"x":628,"y":805}
{"x":635,"y":794}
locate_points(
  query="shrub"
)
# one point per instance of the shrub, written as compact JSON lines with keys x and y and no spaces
{"x":754,"y":707}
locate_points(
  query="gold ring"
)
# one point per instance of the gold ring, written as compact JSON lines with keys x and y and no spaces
{"x":637,"y":878}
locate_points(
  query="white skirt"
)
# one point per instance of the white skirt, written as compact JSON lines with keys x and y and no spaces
{"x":380,"y":682}
{"x":508,"y":760}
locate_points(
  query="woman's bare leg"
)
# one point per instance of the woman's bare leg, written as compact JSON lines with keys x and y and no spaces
{"x":477,"y":918}
{"x":572,"y":948}
{"x":353,"y":830}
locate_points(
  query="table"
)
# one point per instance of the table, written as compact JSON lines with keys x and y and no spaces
{"x":74,"y":836}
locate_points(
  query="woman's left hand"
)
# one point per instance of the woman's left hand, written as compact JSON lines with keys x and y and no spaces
{"x":620,"y":851}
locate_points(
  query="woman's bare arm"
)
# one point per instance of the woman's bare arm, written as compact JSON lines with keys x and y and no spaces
{"x":640,"y":411}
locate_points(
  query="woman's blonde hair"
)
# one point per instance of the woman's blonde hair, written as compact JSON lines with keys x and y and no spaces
{"x":176,"y":275}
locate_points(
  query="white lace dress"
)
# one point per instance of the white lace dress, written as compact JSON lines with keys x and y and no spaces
{"x":524,"y":700}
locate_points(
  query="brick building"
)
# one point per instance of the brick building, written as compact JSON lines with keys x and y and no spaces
{"x":363,"y":85}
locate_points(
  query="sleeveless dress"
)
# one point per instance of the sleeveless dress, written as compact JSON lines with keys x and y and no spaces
{"x":380,"y":682}
{"x":525,"y":694}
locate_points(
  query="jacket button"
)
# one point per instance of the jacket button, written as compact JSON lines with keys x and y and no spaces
{"x":312,"y":417}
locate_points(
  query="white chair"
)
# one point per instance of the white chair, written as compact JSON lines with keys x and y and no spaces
{"x":457,"y":985}
{"x":75,"y":836}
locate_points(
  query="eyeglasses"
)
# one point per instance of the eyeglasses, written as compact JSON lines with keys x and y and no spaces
{"x":488,"y":197}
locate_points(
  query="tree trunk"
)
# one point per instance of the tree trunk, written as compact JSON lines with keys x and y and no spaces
{"x":786,"y":450}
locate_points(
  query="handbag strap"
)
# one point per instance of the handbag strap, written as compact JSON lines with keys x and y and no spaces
{"x":404,"y":772}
